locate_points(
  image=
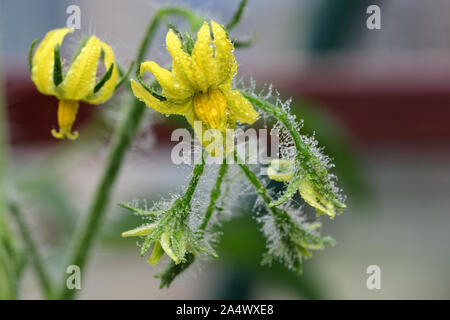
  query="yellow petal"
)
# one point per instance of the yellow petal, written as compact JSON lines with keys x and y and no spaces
{"x":44,"y":58}
{"x":80,"y":79}
{"x":225,"y":62}
{"x":315,"y":199}
{"x":165,"y":244}
{"x":281,"y":170}
{"x":183,"y":66}
{"x":203,"y":58}
{"x":166,"y":107}
{"x":67,"y":112}
{"x":108,"y":88}
{"x":240,"y":109}
{"x":157,"y":254}
{"x":139,"y":231}
{"x":171,"y":89}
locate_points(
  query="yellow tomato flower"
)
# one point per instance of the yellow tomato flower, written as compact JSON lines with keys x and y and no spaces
{"x":283,"y":171}
{"x":79,"y":83}
{"x":199,"y":84}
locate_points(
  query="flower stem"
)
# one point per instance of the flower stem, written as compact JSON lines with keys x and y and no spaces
{"x":260,"y":189}
{"x":309,"y":165}
{"x":84,"y":236}
{"x":196,"y":174}
{"x":32,"y":250}
{"x":215,"y":193}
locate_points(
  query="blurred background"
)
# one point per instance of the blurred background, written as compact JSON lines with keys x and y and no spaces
{"x":378,"y":100}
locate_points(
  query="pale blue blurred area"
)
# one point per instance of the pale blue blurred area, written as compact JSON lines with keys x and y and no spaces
{"x":22,"y":20}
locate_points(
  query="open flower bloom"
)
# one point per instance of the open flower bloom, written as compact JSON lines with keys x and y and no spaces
{"x":79,"y":83}
{"x":283,"y":171}
{"x":199,"y":85}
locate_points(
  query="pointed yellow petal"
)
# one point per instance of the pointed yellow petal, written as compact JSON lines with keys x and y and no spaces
{"x":183,"y":66}
{"x":43,"y":60}
{"x":203,"y":57}
{"x":157,"y":254}
{"x":225,"y":62}
{"x":281,"y":170}
{"x":315,"y":199}
{"x":166,"y":107}
{"x":108,"y":88}
{"x":67,"y":112}
{"x":139,"y":231}
{"x":240,"y":109}
{"x":165,"y":244}
{"x":171,"y":89}
{"x":80,"y":79}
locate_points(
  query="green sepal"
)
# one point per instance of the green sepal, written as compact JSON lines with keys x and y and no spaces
{"x":57,"y":67}
{"x":105,"y":78}
{"x":157,"y":254}
{"x":245,"y":43}
{"x":237,"y":15}
{"x":80,"y":47}
{"x":139,"y":211}
{"x":157,"y":95}
{"x":30,"y":53}
{"x":178,"y":241}
{"x":290,"y":190}
{"x":174,"y":270}
{"x":124,"y":76}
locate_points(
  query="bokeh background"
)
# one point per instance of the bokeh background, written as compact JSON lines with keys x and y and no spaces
{"x":378,"y":100}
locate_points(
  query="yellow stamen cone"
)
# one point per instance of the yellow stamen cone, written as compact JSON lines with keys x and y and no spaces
{"x":67,"y":112}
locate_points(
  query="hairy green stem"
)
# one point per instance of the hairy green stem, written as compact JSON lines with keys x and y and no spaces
{"x":283,"y":117}
{"x":196,"y":175}
{"x":32,"y":250}
{"x":253,"y":179}
{"x":88,"y":229}
{"x":260,"y":189}
{"x":309,"y":164}
{"x":215,"y":193}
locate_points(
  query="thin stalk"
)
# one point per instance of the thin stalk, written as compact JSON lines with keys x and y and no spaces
{"x":85,"y":233}
{"x":196,"y":175}
{"x":32,"y":250}
{"x":260,"y":189}
{"x":215,"y":193}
